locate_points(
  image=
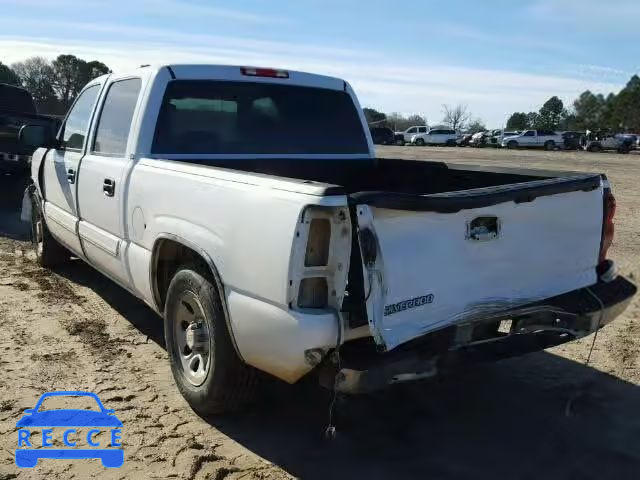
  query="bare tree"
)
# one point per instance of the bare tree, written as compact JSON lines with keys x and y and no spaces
{"x":36,"y":75}
{"x":456,"y":117}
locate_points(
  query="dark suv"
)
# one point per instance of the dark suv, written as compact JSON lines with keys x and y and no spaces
{"x":382,"y":135}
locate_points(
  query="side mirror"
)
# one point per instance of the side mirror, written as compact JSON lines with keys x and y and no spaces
{"x":36,"y":136}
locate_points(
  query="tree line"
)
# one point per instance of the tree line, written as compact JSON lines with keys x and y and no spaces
{"x":55,"y":84}
{"x":596,"y":112}
{"x":456,"y":117}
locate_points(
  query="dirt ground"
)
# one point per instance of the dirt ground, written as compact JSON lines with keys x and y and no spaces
{"x":545,"y":415}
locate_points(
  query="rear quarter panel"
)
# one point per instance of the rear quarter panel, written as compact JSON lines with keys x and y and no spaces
{"x":246,"y":224}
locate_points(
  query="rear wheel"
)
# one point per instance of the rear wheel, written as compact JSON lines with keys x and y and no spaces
{"x":49,"y":252}
{"x":512,"y":144}
{"x":400,"y":142}
{"x":204,"y":363}
{"x":594,"y":148}
{"x":420,"y":142}
{"x":549,"y":145}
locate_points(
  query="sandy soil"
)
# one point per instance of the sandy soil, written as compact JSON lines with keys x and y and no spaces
{"x":545,"y":415}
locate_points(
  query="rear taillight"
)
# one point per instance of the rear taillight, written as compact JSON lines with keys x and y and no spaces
{"x":608,"y":228}
{"x":264,"y":72}
{"x":320,"y":259}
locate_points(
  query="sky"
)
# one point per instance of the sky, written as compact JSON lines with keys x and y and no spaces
{"x":412,"y":56}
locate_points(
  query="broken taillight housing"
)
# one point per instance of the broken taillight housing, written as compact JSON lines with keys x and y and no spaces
{"x":314,"y":293}
{"x":608,"y":228}
{"x":320,"y":258}
{"x":317,"y":251}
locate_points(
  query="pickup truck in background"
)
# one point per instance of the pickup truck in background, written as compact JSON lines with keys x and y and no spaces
{"x":206,"y":192}
{"x":17,"y":109}
{"x":546,"y":139}
{"x":406,"y":135}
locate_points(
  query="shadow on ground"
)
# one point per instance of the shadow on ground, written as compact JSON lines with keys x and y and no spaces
{"x":539,"y":416}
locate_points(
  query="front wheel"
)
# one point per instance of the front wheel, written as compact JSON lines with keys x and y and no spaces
{"x":512,"y":145}
{"x":49,"y":252}
{"x":204,"y":363}
{"x":420,"y":142}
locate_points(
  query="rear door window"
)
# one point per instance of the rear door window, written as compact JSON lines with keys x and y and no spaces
{"x":115,"y":119}
{"x":217,"y":117}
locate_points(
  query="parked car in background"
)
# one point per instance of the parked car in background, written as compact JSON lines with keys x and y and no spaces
{"x":479,"y":139}
{"x":309,"y":245}
{"x":573,"y":140}
{"x":496,"y":137}
{"x":608,"y":141}
{"x":436,"y":136}
{"x":17,"y":108}
{"x":464,"y":140}
{"x":547,"y":139}
{"x":382,"y":135}
{"x":406,"y":135}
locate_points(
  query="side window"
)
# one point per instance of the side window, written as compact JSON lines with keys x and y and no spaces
{"x":75,"y":126}
{"x":412,"y":130}
{"x":422,"y":129}
{"x":529,"y":133}
{"x":115,"y":119}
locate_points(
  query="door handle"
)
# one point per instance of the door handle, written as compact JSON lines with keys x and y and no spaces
{"x":71,"y":175}
{"x":109,"y":187}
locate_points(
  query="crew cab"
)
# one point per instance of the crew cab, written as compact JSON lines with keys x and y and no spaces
{"x":436,"y":136}
{"x":206,"y":192}
{"x":547,"y":139}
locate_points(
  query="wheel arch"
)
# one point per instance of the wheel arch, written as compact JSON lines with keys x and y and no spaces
{"x":169,"y":251}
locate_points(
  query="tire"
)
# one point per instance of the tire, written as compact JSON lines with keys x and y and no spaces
{"x":49,"y":253}
{"x":512,"y":145}
{"x":400,"y":143}
{"x":420,"y":142}
{"x":549,"y":145}
{"x":450,"y":143}
{"x":224,"y":383}
{"x":594,"y":148}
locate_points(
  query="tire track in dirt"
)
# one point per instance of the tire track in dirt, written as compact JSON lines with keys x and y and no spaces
{"x":78,"y":342}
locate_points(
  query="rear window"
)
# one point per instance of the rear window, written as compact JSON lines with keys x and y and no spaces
{"x":15,"y":100}
{"x":214,"y":117}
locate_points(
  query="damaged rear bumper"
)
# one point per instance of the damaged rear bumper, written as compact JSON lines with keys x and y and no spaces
{"x":530,"y":328}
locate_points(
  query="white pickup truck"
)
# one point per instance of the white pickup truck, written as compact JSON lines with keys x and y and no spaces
{"x":206,"y":192}
{"x":546,"y":139}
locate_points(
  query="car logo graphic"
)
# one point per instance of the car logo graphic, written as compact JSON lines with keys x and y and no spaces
{"x":102,"y":420}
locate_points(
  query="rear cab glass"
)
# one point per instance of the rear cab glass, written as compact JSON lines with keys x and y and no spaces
{"x":222,"y":117}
